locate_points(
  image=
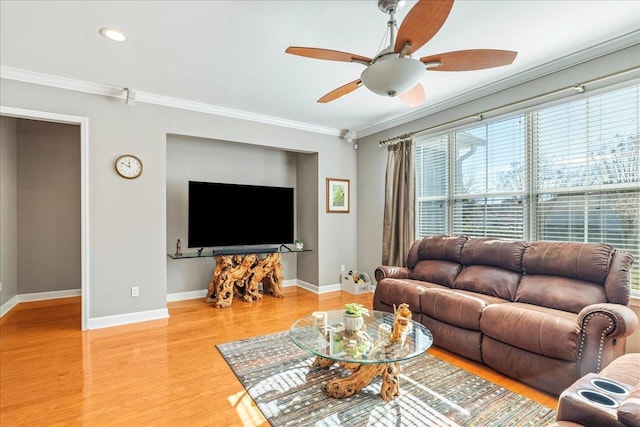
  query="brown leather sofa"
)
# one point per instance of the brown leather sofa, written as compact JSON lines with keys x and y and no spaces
{"x":610,"y":398}
{"x":545,"y":313}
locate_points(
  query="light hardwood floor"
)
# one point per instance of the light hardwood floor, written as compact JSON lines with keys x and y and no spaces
{"x":157,"y":373}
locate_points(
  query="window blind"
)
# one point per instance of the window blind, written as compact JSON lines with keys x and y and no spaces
{"x":489,"y":187}
{"x":432,"y":156}
{"x":566,"y":172}
{"x":588,"y":176}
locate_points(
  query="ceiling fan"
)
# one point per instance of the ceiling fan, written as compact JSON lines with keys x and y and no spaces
{"x":393,"y":72}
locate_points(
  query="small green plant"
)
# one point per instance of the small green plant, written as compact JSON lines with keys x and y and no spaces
{"x":299,"y":240}
{"x":356,"y":309}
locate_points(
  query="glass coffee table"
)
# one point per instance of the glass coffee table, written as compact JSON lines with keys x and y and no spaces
{"x":366,"y":352}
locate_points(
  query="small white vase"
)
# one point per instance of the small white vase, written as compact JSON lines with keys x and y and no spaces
{"x":299,"y":246}
{"x":353,"y":322}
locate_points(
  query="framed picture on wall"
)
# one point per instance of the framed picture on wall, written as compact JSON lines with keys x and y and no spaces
{"x":337,"y":195}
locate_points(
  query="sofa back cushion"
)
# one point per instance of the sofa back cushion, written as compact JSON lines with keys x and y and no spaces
{"x":583,"y":261}
{"x":437,"y":271}
{"x":442,"y":247}
{"x":412,"y":256}
{"x":494,"y":252}
{"x":491,"y":266}
{"x":618,"y":282}
{"x":564,"y":275}
{"x":493,"y":281}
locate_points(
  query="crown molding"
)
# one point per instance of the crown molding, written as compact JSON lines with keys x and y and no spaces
{"x":545,"y":69}
{"x":568,"y":61}
{"x":10,"y":73}
{"x":236,"y":114}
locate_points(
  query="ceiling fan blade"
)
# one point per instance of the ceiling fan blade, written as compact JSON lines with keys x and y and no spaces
{"x":422,"y":22}
{"x":341,"y":91}
{"x":331,"y":55}
{"x":413,"y":97}
{"x":469,"y":60}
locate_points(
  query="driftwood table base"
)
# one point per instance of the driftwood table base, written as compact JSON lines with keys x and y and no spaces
{"x":361,"y":376}
{"x":241,"y":275}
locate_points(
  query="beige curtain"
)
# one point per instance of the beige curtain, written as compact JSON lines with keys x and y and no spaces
{"x":398,"y":231}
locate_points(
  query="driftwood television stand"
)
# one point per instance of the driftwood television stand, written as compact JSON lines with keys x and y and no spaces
{"x":239,"y":273}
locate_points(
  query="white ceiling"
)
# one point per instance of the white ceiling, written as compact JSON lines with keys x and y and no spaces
{"x":230,"y":54}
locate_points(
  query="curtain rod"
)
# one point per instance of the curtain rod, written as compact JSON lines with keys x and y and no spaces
{"x":579,"y":88}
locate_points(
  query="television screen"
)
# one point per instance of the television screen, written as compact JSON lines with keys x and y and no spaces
{"x":232,"y":214}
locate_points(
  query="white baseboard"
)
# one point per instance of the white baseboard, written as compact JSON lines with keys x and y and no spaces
{"x":8,"y":306}
{"x":127,"y":318}
{"x":37,"y":296}
{"x":180,"y":296}
{"x":201,"y":293}
{"x":143,"y":316}
{"x":318,"y":289}
{"x":329,"y":288}
{"x":42,"y":296}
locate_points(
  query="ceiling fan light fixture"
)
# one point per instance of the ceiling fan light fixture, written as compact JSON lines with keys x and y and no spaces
{"x":392,"y":76}
{"x":393,"y":72}
{"x":388,"y":6}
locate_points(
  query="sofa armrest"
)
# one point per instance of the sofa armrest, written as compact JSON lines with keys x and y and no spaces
{"x":629,"y":411}
{"x":391,"y":272}
{"x":614,"y":320}
{"x":603,"y":328}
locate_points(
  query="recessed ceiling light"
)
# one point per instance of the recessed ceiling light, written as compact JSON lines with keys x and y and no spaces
{"x":113,"y":34}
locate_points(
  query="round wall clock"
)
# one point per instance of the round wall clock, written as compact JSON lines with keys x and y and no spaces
{"x":129,"y":166}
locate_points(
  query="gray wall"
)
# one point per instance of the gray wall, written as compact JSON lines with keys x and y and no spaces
{"x":8,"y":208}
{"x":200,"y":159}
{"x":48,"y":207}
{"x":307,"y":208}
{"x":372,"y":158}
{"x":127,"y":219}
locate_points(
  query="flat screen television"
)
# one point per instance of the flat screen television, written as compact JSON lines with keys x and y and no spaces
{"x":223,"y":214}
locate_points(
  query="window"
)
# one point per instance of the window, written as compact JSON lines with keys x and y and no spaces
{"x":566,"y":172}
{"x":432,"y":185}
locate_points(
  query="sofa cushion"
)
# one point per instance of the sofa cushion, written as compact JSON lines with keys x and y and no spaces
{"x":398,"y":291}
{"x":459,"y":340}
{"x":443,"y":247}
{"x":488,"y":280}
{"x":495,"y":252}
{"x":559,"y":292}
{"x":544,"y":331}
{"x":629,"y":410}
{"x":457,"y":308}
{"x":440,"y":272}
{"x":583,"y":261}
{"x":412,"y":256}
{"x":547,"y":373}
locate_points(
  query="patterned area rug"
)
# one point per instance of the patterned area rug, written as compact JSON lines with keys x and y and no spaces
{"x":288,"y":390}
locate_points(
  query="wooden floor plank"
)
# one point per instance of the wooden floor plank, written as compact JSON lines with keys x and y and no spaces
{"x":162,"y":373}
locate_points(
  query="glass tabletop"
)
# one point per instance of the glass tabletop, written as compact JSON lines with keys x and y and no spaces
{"x":369,"y":344}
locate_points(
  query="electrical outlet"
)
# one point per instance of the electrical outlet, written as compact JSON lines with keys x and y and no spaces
{"x":135,"y":291}
{"x":342,"y":268}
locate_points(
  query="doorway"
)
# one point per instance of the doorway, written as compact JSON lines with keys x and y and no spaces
{"x":83,"y":123}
